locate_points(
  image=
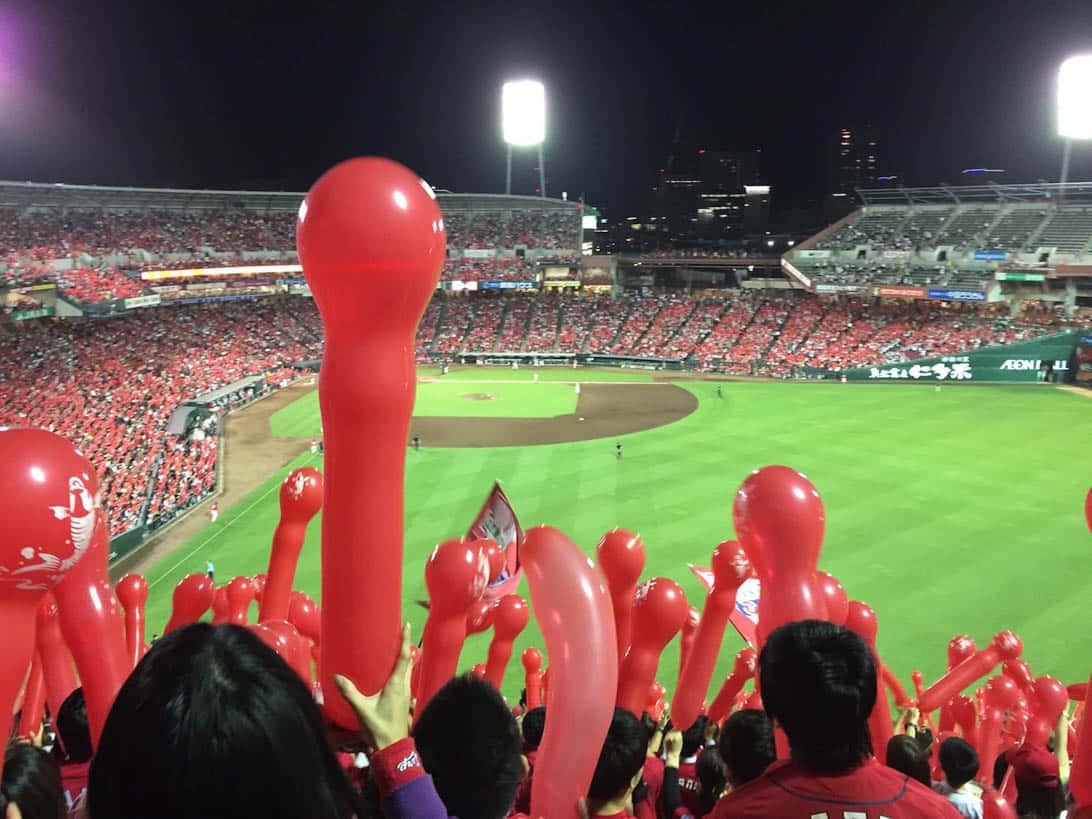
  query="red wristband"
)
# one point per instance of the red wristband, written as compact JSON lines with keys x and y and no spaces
{"x":396,"y":765}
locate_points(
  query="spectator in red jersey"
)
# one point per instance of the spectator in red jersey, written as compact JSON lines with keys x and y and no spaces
{"x":819,"y":686}
{"x":31,"y":787}
{"x":746,"y":746}
{"x":212,"y":723}
{"x":466,"y":738}
{"x":73,"y":749}
{"x":618,"y":771}
{"x":906,"y":754}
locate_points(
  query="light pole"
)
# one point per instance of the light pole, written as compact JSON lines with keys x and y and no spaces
{"x":1074,"y":106}
{"x":523,"y":123}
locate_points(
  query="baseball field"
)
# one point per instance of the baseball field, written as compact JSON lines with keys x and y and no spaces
{"x":952,"y":510}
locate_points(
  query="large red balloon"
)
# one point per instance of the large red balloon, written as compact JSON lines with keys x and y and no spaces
{"x":1049,"y":699}
{"x":1088,"y":509}
{"x":509,"y":619}
{"x":573,"y":610}
{"x":730,"y":569}
{"x":288,"y":643}
{"x":621,"y":558}
{"x":221,"y":609}
{"x":659,"y":611}
{"x":192,"y":597}
{"x":532,"y":676}
{"x":834,"y":593}
{"x":301,"y":499}
{"x":1019,"y":672}
{"x":239,"y":594}
{"x":995,"y":806}
{"x":94,"y":629}
{"x":960,"y":648}
{"x":304,"y":614}
{"x":132,"y":593}
{"x":57,"y":666}
{"x":1004,"y":646}
{"x":456,"y":574}
{"x":779,"y":519}
{"x":743,"y":670}
{"x":258,"y":582}
{"x":367,"y":227}
{"x":48,"y":499}
{"x":861,"y":620}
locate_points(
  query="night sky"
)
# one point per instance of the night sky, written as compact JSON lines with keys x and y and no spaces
{"x":268,"y":94}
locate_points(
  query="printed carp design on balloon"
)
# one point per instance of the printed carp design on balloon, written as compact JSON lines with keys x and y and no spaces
{"x":80,"y":513}
{"x":296,"y":482}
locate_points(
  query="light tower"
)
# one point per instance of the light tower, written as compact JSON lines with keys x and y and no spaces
{"x":1074,"y":104}
{"x":523,"y":121}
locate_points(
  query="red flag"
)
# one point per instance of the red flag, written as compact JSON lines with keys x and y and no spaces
{"x":744,"y":615}
{"x":497,"y":521}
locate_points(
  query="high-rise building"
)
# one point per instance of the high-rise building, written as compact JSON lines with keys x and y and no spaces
{"x":856,"y":164}
{"x":710,"y":194}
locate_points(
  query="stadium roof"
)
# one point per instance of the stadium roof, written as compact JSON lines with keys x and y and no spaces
{"x":1070,"y":192}
{"x":37,"y":195}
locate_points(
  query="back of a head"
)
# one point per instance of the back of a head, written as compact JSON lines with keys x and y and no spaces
{"x":905,"y":754}
{"x":709,"y":770}
{"x":213,"y":723}
{"x":71,"y":725}
{"x":747,"y":745}
{"x":621,"y":758}
{"x":819,"y":685}
{"x":32,"y":781}
{"x":533,"y":726}
{"x":694,"y":737}
{"x":471,"y":745}
{"x":1039,"y":790}
{"x":959,"y":761}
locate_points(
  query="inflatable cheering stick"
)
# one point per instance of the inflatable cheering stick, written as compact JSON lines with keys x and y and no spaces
{"x":532,"y":676}
{"x":730,"y":569}
{"x":509,"y":619}
{"x":132,"y":593}
{"x":744,"y":669}
{"x":621,"y":558}
{"x":1004,"y":646}
{"x":47,"y":503}
{"x":371,"y":240}
{"x":689,"y":632}
{"x":659,"y":611}
{"x":834,"y":593}
{"x":301,"y":499}
{"x":57,"y":667}
{"x":239,"y":594}
{"x":779,"y":519}
{"x":192,"y":597}
{"x":861,"y":620}
{"x":1000,"y":695}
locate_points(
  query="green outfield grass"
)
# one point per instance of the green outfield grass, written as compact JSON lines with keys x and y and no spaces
{"x":544,"y":374}
{"x":948,"y":511}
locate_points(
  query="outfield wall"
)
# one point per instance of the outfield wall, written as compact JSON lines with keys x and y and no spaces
{"x":1047,"y":359}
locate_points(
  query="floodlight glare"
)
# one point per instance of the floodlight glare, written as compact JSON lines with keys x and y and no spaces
{"x":1075,"y":98}
{"x":523,"y":106}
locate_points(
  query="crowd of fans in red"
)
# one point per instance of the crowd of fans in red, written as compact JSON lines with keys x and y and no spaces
{"x":767,"y":332}
{"x":111,"y":385}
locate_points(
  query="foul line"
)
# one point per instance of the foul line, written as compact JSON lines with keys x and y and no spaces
{"x":218,"y":532}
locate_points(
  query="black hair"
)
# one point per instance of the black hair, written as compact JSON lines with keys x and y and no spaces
{"x":32,"y":781}
{"x":1040,"y":801}
{"x":213,"y":723}
{"x":746,"y":745}
{"x":694,"y":737}
{"x":709,"y":771}
{"x":1000,"y":768}
{"x":905,"y":754}
{"x":471,"y":745}
{"x":621,"y":758}
{"x":72,"y":729}
{"x":819,"y":685}
{"x":650,"y":726}
{"x":959,"y":761}
{"x":534,"y":723}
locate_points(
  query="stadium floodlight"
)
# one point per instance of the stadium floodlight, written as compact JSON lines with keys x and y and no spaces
{"x":523,"y":123}
{"x":1075,"y":98}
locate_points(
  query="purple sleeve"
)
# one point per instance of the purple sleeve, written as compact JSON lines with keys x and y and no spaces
{"x":416,"y":799}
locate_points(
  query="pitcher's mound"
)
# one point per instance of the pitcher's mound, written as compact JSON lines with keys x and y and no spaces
{"x":479,"y":396}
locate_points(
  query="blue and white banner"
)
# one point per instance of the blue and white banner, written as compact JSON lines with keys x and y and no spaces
{"x":990,"y":256}
{"x":958,"y":295}
{"x":508,"y":285}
